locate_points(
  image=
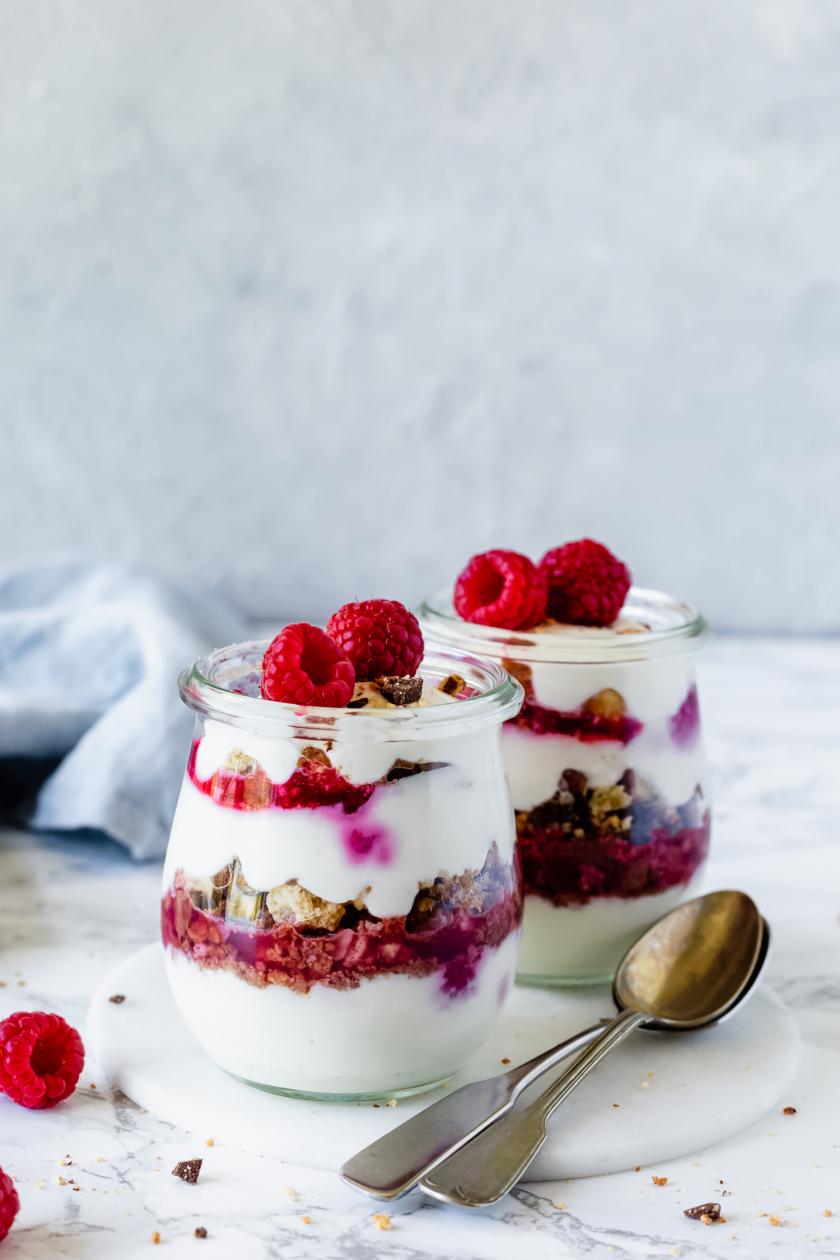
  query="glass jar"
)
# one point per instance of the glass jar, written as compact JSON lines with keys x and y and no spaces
{"x":607,"y":774}
{"x":341,"y":903}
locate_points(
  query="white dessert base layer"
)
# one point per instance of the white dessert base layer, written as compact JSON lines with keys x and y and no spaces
{"x":583,"y":944}
{"x":392,"y":1033}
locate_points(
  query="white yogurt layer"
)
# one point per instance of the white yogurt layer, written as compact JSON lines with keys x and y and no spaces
{"x":535,"y":762}
{"x":440,"y":822}
{"x":586,"y":943}
{"x":389,"y":1034}
{"x":653,"y":689}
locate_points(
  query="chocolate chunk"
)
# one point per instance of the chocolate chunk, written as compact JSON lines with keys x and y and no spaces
{"x":399,"y":690}
{"x":451,"y":685}
{"x":117,"y":998}
{"x":200,"y":1231}
{"x":402,"y":769}
{"x":187,"y":1170}
{"x":357,"y":704}
{"x":712,"y":1210}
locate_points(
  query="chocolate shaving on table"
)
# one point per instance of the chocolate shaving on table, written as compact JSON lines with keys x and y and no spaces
{"x":400,"y":690}
{"x":187,"y":1170}
{"x":712,"y":1210}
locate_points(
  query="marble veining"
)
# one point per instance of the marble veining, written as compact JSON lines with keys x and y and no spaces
{"x":70,"y":908}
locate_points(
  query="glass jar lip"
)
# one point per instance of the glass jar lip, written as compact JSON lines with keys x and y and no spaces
{"x":500,"y":697}
{"x":674,"y":626}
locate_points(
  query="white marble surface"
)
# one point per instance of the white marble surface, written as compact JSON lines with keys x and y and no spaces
{"x":68,"y":910}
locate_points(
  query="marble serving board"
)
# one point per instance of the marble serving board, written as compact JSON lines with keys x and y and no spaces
{"x":656,"y":1097}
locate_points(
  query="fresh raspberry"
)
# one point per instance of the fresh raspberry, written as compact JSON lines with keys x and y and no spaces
{"x":9,"y":1203}
{"x":501,"y":588}
{"x":587,"y":584}
{"x":380,"y":636}
{"x":304,"y":666}
{"x":41,"y":1058}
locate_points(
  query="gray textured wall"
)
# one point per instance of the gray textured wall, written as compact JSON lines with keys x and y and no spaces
{"x":311,"y":299}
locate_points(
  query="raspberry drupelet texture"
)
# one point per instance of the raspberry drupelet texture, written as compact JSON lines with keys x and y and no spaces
{"x":41,"y":1058}
{"x":380,"y":636}
{"x":302,"y":665}
{"x":587,"y":584}
{"x":501,"y":588}
{"x":9,"y":1203}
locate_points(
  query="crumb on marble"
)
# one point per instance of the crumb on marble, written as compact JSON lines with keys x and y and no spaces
{"x":187,"y":1170}
{"x":828,"y":1212}
{"x":789,"y":1111}
{"x":392,"y":1102}
{"x":775,"y":1220}
{"x":505,"y":1061}
{"x":155,"y":1236}
{"x":100,"y":1159}
{"x":199,"y":1232}
{"x":382,"y":1220}
{"x":210,"y":1142}
{"x":559,"y":1206}
{"x":659,"y":1181}
{"x":290,"y":1193}
{"x":705,"y":1213}
{"x":307,"y":1220}
{"x":616,"y":1104}
{"x":117,"y":998}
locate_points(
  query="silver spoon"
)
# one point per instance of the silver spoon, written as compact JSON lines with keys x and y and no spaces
{"x":691,"y":969}
{"x":394,"y":1163}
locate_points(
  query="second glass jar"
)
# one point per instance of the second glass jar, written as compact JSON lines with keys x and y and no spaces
{"x":607,"y":775}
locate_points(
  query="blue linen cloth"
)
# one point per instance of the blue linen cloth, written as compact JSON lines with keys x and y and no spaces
{"x":93,"y":734}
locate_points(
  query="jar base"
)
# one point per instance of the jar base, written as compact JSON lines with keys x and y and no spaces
{"x":374,"y":1096}
{"x":565,"y":982}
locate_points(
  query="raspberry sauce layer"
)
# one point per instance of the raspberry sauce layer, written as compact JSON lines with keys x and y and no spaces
{"x":622,"y":841}
{"x":314,"y":784}
{"x":578,"y":723}
{"x":449,"y":927}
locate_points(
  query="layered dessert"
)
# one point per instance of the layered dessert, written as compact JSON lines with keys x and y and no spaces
{"x":605,"y":759}
{"x":342,"y":904}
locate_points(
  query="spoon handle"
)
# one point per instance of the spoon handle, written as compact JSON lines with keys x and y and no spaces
{"x":394,"y":1163}
{"x":481,"y":1172}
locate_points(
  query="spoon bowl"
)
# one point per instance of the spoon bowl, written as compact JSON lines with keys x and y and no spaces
{"x":694,"y":964}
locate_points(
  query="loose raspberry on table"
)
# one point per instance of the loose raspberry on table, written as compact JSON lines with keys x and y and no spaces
{"x":587,"y":584}
{"x":41,"y":1058}
{"x":302,"y":665}
{"x":9,"y":1203}
{"x":501,"y":588}
{"x":380,"y":636}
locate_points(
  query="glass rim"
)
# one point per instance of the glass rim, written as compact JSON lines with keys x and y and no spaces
{"x":500,"y":697}
{"x":675,"y":626}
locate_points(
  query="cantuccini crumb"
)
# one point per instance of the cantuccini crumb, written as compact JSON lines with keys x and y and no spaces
{"x":659,"y":1181}
{"x":382,"y":1220}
